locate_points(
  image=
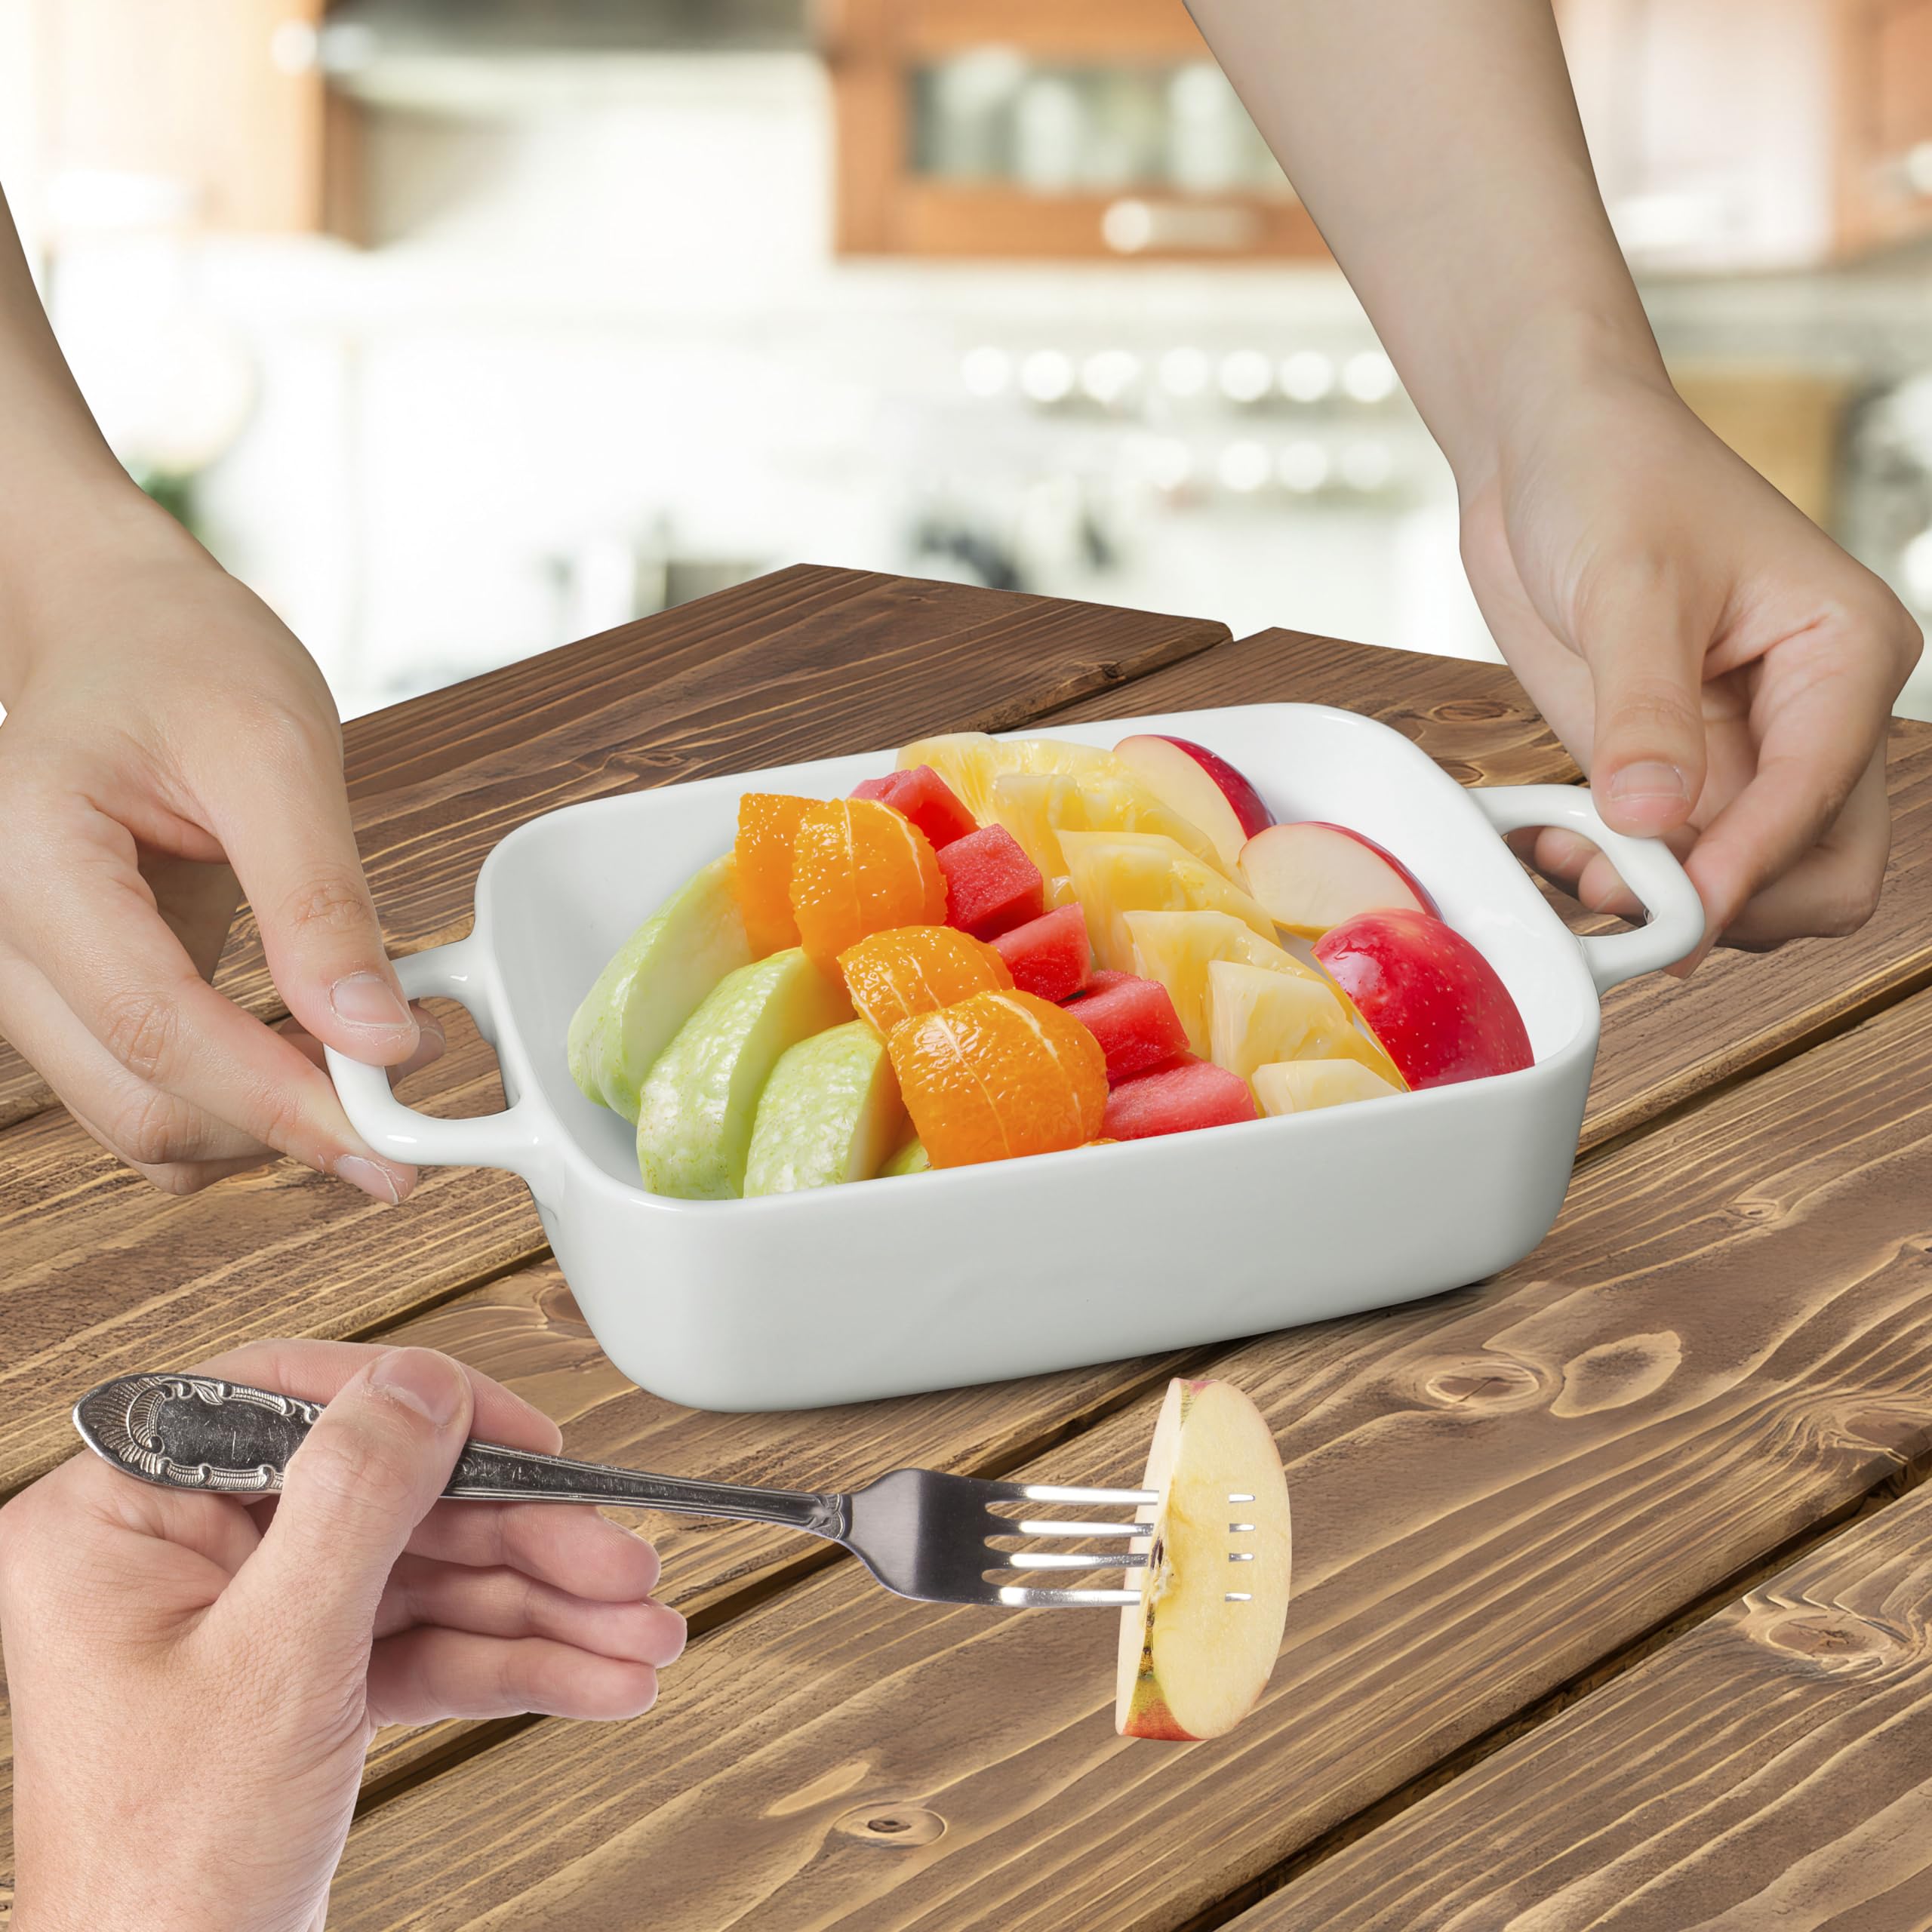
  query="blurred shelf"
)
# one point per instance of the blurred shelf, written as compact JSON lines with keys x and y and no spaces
{"x":1062,"y":130}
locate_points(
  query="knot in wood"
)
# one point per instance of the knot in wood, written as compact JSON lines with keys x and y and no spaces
{"x":1614,"y":1374}
{"x":1472,"y":710}
{"x":1484,"y":1382}
{"x":1831,"y":1638}
{"x":558,"y":1307}
{"x":886,"y":1824}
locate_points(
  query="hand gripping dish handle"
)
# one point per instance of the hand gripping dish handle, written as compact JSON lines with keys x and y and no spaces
{"x":1647,"y":866}
{"x":511,"y":1139}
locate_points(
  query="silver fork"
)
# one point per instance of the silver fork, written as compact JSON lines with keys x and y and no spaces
{"x":921,"y":1534}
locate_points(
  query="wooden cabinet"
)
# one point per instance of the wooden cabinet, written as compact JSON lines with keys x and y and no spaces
{"x":1885,"y":94}
{"x":1068,"y":128}
{"x":210,"y":113}
{"x":1749,"y":135}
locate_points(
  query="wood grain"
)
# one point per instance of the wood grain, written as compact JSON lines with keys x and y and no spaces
{"x":805,"y":663}
{"x":1766,"y":1769}
{"x":1729,"y":1335}
{"x":1665,"y":1040}
{"x":101,"y":1274}
{"x":525,"y":1329}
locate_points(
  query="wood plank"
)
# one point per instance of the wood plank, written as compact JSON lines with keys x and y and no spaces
{"x":103,"y":1274}
{"x":1768,"y":1768}
{"x":1729,"y":1337}
{"x":1665,"y":1040}
{"x":801,"y":663}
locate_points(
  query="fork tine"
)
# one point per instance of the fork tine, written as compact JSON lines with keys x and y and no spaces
{"x":1047,"y":1492}
{"x":1017,"y":1597}
{"x":1047,"y":1526}
{"x":1060,"y":1559}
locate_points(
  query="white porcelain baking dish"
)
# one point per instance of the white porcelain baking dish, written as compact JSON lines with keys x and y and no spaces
{"x":886,"y":1288}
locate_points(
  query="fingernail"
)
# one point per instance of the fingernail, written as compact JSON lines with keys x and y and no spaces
{"x":1649,"y":778}
{"x":367,"y":999}
{"x":431,"y":1384}
{"x":371,"y":1177}
{"x":677,"y":1629}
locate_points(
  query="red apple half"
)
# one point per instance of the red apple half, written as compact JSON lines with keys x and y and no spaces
{"x":1198,"y":1649}
{"x":1432,"y":999}
{"x":1202,"y":786}
{"x":1312,"y":876}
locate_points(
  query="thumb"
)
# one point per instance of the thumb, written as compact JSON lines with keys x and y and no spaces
{"x":1647,"y":757}
{"x":370,"y":1470}
{"x":293,"y":846}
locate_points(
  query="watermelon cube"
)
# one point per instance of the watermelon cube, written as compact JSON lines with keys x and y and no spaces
{"x":1177,"y":1100}
{"x":1049,"y":955}
{"x":991,"y":885}
{"x":1133,"y":1019}
{"x":926,"y":799}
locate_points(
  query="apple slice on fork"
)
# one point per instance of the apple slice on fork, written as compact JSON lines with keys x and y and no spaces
{"x":1198,"y":1649}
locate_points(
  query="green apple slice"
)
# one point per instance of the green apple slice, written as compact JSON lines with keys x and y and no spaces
{"x":911,"y":1159}
{"x":698,"y":1101}
{"x":654,"y":984}
{"x":830,"y":1112}
{"x":1197,"y":1650}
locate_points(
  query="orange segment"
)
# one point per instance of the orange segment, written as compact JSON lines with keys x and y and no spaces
{"x":859,"y":867}
{"x":997,"y":1075}
{"x":892,"y":975}
{"x":767,"y":824}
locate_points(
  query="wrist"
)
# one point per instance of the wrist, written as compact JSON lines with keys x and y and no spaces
{"x":1556,"y":364}
{"x":77,"y":530}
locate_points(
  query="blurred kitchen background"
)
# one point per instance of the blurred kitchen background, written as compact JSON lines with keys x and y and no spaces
{"x":461,"y":328}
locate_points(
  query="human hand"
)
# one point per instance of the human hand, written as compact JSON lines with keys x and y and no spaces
{"x":195,"y":1679}
{"x":168,"y":745}
{"x":1723,"y":671}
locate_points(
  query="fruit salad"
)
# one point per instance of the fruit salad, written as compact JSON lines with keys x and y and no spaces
{"x":1023,"y":946}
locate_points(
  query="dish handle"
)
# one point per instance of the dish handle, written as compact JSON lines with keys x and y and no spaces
{"x":1647,"y":866}
{"x":511,"y":1139}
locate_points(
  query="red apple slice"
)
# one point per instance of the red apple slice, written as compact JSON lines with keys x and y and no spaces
{"x":1428,"y":995}
{"x":1312,"y":876}
{"x":1197,"y":1650}
{"x":1202,"y":785}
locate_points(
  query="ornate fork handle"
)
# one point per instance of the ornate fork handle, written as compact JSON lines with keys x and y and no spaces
{"x":194,"y":1432}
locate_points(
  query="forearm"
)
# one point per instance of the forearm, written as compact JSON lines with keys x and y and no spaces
{"x":64,"y":499}
{"x":1436,"y":143}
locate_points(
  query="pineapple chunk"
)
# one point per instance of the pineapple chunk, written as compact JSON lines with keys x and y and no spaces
{"x":1300,"y":1086}
{"x":969,"y":762}
{"x":1177,"y":949}
{"x":1036,"y":807}
{"x":1103,"y":793}
{"x":1257,"y":1016}
{"x":1116,"y":873}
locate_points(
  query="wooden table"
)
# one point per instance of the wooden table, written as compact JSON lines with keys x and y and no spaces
{"x":1614,"y":1590}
